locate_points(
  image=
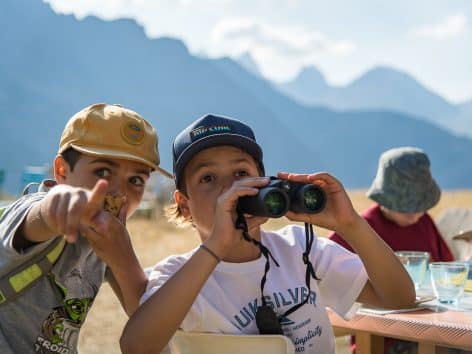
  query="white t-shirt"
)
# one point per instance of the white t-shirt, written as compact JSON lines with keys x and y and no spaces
{"x":229,"y":299}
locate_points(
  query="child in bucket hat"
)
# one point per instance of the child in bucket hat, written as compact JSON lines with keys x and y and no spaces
{"x":404,"y":182}
{"x":404,"y":190}
{"x":225,"y":285}
{"x":106,"y":154}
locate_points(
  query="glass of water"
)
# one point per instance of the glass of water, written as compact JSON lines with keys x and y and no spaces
{"x":448,"y":279}
{"x":416,"y":263}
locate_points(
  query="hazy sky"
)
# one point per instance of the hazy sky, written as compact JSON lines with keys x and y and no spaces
{"x":430,"y":39}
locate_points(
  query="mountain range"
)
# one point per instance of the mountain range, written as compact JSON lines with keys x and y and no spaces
{"x":380,"y":88}
{"x":53,"y":65}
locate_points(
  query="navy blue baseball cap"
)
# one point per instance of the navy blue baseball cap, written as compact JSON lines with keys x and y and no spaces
{"x":211,"y":131}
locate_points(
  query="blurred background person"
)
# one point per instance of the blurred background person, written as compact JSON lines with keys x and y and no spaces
{"x":403,"y":191}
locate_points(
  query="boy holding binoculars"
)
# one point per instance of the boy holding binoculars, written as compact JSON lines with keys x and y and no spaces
{"x":218,"y":287}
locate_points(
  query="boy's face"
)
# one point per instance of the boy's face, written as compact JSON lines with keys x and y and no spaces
{"x":126,"y":178}
{"x":208,"y":174}
{"x":402,"y":219}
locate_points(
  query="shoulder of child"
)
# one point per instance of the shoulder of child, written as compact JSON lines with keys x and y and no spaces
{"x":169,"y":265}
{"x":292,"y":236}
{"x":17,"y":210}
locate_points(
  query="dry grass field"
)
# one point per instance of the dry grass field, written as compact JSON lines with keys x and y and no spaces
{"x":156,"y":239}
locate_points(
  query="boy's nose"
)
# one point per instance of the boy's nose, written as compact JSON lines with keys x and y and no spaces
{"x":227,"y":182}
{"x":117,"y":188}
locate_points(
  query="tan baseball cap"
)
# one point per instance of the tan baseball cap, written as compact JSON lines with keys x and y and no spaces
{"x":113,"y":131}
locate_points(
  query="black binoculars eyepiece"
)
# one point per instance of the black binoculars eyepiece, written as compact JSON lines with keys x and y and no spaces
{"x":280,"y":196}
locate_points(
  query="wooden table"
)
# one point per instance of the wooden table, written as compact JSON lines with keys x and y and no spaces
{"x":452,"y":329}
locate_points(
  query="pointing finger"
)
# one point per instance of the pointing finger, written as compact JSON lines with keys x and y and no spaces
{"x":96,"y":198}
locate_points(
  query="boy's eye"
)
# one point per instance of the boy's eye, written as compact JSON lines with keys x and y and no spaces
{"x":137,"y":181}
{"x":207,"y":179}
{"x":102,"y":172}
{"x":242,"y":173}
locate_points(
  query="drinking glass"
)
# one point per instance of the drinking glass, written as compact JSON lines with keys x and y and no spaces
{"x":416,"y":263}
{"x":448,"y":279}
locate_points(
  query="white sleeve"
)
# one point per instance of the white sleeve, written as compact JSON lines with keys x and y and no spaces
{"x":342,"y":276}
{"x":160,"y":274}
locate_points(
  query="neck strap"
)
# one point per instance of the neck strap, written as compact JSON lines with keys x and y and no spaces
{"x":242,"y":225}
{"x":310,"y":272}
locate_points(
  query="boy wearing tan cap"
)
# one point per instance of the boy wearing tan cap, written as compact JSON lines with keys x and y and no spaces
{"x":47,"y":285}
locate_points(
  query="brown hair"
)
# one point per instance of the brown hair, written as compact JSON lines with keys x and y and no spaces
{"x":71,"y":156}
{"x":174,"y":215}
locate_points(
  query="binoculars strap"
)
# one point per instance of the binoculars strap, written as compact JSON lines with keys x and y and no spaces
{"x":266,"y":319}
{"x":310,"y":271}
{"x":242,"y":225}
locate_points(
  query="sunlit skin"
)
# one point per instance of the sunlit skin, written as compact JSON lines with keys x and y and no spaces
{"x":74,"y":209}
{"x":212,"y":172}
{"x":214,"y":180}
{"x":75,"y":205}
{"x":401,"y":219}
{"x":125,"y":177}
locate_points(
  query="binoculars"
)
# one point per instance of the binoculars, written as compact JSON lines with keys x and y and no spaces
{"x":280,"y":196}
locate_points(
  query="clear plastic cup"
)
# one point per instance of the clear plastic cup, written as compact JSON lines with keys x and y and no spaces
{"x":416,"y":263}
{"x":448,"y":280}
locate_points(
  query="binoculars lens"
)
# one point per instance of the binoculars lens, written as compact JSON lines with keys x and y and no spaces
{"x":314,"y":199}
{"x":275,"y":203}
{"x":280,"y":196}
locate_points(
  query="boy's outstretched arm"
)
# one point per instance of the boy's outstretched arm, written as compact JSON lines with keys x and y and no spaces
{"x":109,"y":238}
{"x":61,"y":212}
{"x":70,"y":211}
{"x":389,"y":284}
{"x":153,"y":324}
{"x":128,"y":287}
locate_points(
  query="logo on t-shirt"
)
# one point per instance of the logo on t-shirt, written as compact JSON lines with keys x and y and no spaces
{"x":285,"y":321}
{"x":276,"y":300}
{"x":62,"y":324}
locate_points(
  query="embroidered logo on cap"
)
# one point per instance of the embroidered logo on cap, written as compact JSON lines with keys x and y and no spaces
{"x":133,"y":131}
{"x":201,"y":132}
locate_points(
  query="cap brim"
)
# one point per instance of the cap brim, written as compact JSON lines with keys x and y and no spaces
{"x":425,"y":200}
{"x":121,"y":155}
{"x":239,"y":141}
{"x":164,"y":172}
